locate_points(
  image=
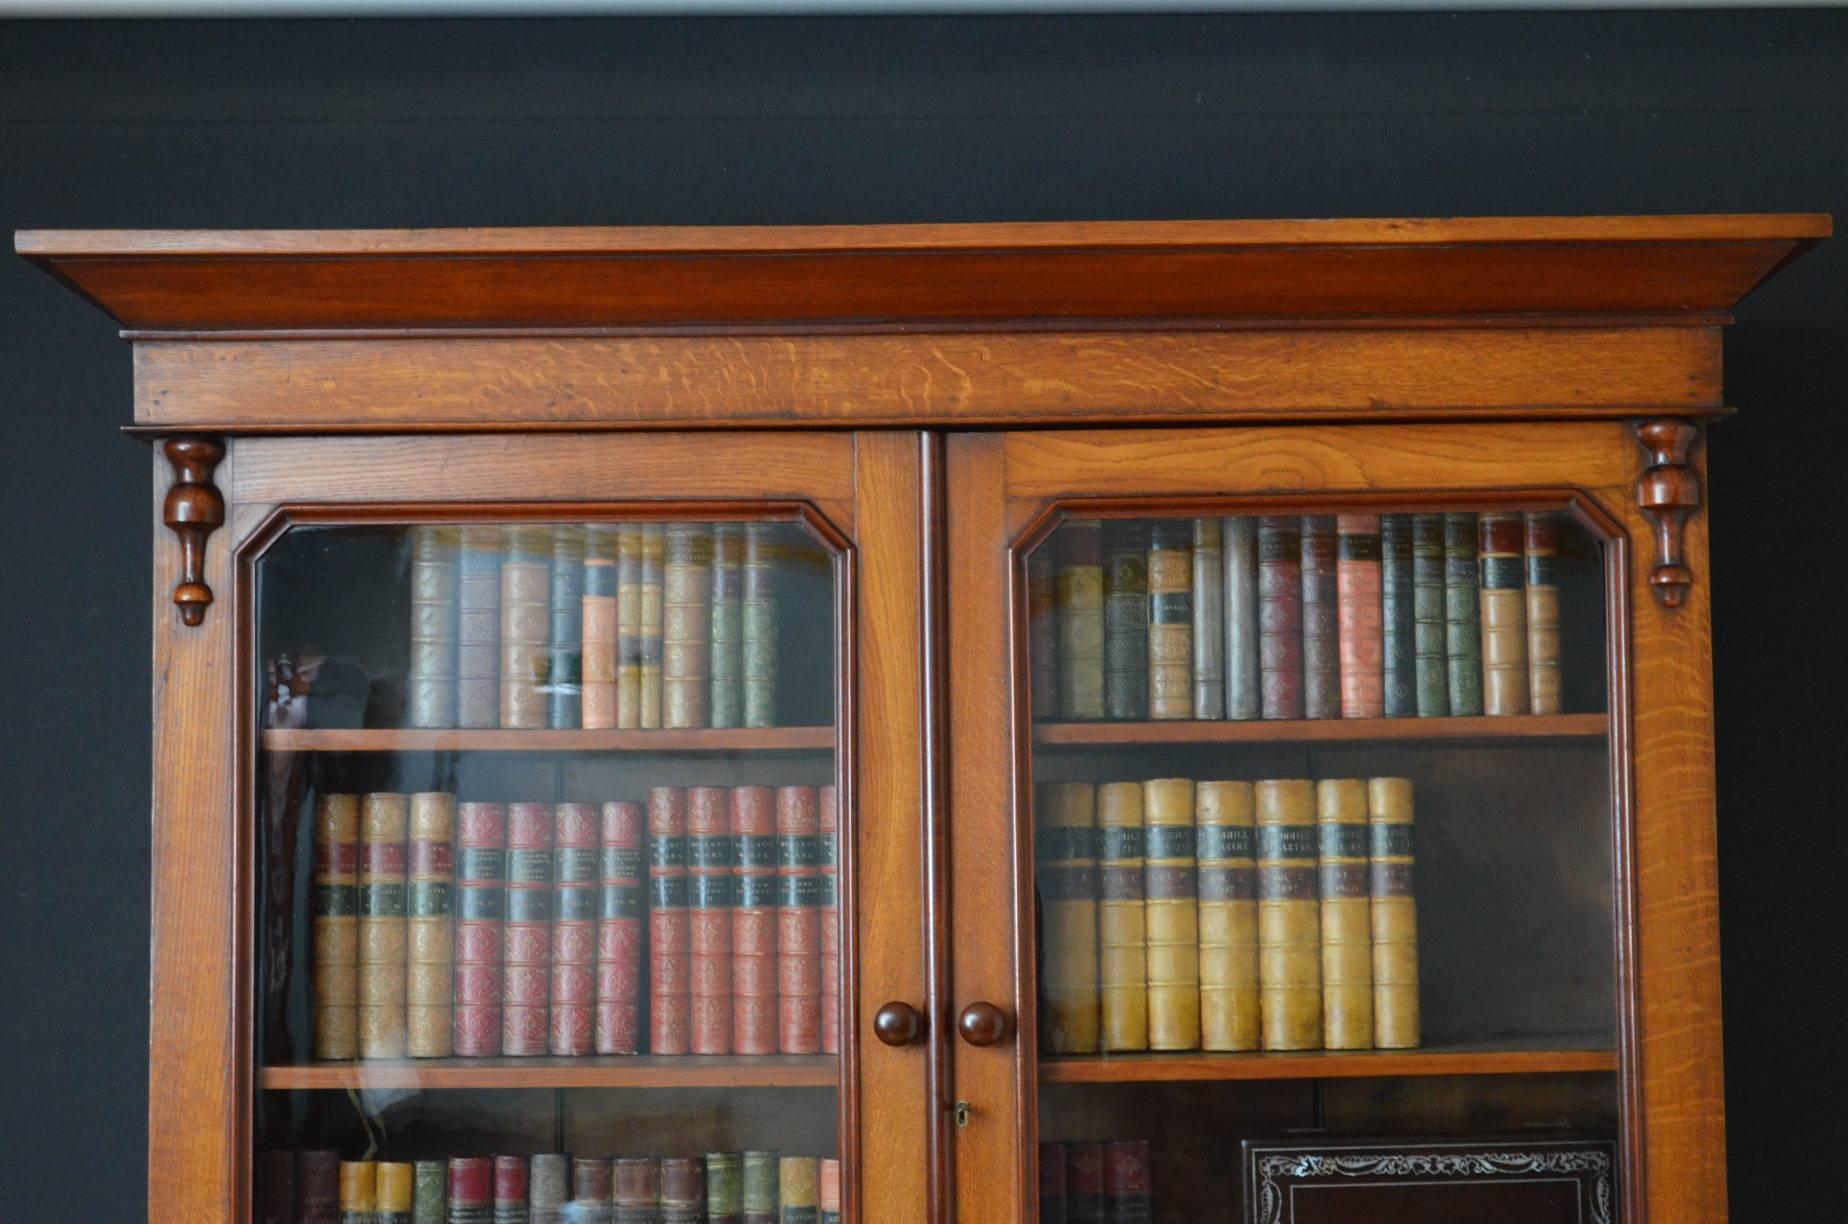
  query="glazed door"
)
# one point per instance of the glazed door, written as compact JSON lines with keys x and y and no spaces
{"x":1295,"y":796}
{"x":571,"y":789}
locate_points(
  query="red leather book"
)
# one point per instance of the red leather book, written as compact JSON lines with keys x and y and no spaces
{"x":1126,"y":1182}
{"x":317,"y":1187}
{"x":481,"y":903}
{"x":526,"y":959}
{"x":593,"y":1188}
{"x":1361,"y":620}
{"x":574,"y":928}
{"x":510,"y":1184}
{"x":683,"y":1190}
{"x":828,"y":1197}
{"x":1084,"y":1184}
{"x":1280,"y":615}
{"x":669,"y":934}
{"x":1321,"y":629}
{"x":709,"y":917}
{"x":828,"y":902}
{"x":638,"y":1190}
{"x":471,"y":1190}
{"x":619,"y":932}
{"x":798,"y":920}
{"x":1052,"y":1201}
{"x":754,"y":1006}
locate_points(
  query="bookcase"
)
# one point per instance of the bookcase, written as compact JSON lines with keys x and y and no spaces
{"x":926,"y":723}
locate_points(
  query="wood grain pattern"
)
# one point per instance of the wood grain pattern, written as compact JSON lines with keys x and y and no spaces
{"x":370,"y":739}
{"x":620,"y":1072}
{"x":1526,"y":727}
{"x":1321,"y":1064}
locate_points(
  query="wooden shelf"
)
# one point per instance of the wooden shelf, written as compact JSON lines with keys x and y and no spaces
{"x":1479,"y":1059}
{"x":1334,"y":730}
{"x":731,"y":739}
{"x":638,"y":1071}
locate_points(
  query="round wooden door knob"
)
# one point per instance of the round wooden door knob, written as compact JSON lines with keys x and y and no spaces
{"x":897,"y":1024}
{"x":982,"y":1024}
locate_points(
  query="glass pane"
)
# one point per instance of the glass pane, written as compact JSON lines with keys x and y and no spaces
{"x":546,"y":914}
{"x":1239,"y":722}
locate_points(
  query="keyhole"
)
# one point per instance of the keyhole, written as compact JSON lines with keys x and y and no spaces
{"x":960,"y":1112}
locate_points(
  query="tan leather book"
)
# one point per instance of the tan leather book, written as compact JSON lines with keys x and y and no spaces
{"x":1347,"y":936}
{"x":478,"y":620}
{"x":758,"y":619}
{"x":1066,"y":847}
{"x":1289,"y":923}
{"x":382,"y":819}
{"x":1394,"y":914}
{"x":431,"y":679}
{"x":394,"y":1182}
{"x":1504,"y":614}
{"x":1544,"y":694}
{"x":1122,"y":928}
{"x":1224,"y":848}
{"x":629,"y":626}
{"x":1173,"y":916}
{"x":599,"y":621}
{"x":1078,"y":549}
{"x":1170,"y":570}
{"x":649,"y":613}
{"x":686,"y":626}
{"x":334,"y":970}
{"x":430,"y":920}
{"x":525,"y":629}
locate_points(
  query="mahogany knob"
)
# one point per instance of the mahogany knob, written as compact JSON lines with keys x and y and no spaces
{"x":982,"y":1024}
{"x":897,"y":1024}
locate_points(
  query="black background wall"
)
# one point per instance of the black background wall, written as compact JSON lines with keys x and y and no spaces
{"x":722,"y":121}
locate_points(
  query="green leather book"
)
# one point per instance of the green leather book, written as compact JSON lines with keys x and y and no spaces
{"x":1431,"y":672}
{"x":727,"y":639}
{"x":1462,"y":615}
{"x":1126,"y":620}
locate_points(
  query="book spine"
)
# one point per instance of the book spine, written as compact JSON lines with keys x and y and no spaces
{"x":526,"y":964}
{"x":593,"y":1189}
{"x":565,"y":664}
{"x":1172,"y":914}
{"x":1289,"y":929}
{"x":510,"y":1186}
{"x":1043,"y":631}
{"x":638,"y":1190}
{"x":649,"y":620}
{"x":1462,"y":616}
{"x":1398,"y":657}
{"x":1170,"y":628}
{"x":577,"y":879}
{"x":334,"y":927}
{"x":471,"y":1190}
{"x":1209,"y":619}
{"x":754,"y":920}
{"x":478,"y":618}
{"x":629,"y":626}
{"x":1066,"y":847}
{"x":1122,"y":918}
{"x":381,"y":926}
{"x":724,"y":1188}
{"x":727,"y":632}
{"x":396,"y":1192}
{"x":1280,"y":615}
{"x":549,"y":1182}
{"x":1244,"y":690}
{"x":598,"y":621}
{"x":1347,"y":940}
{"x":432,"y":675}
{"x":828,"y":906}
{"x":430,"y":1198}
{"x":683,"y":1190}
{"x":1544,"y":692}
{"x":1360,"y":617}
{"x":1394,"y":914}
{"x":275,"y":1187}
{"x":481,"y":906}
{"x":760,"y":624}
{"x":1127,"y":1181}
{"x":798,"y":1190}
{"x":798,"y":920}
{"x":1430,"y":632}
{"x":829,"y":1196}
{"x":1052,"y":1201}
{"x":686,"y":626}
{"x":1126,"y":619}
{"x":430,"y":906}
{"x":525,"y":629}
{"x":669,"y":932}
{"x":1078,"y":593}
{"x":359,"y":1193}
{"x":1321,"y":623}
{"x":1228,"y":916}
{"x":1504,"y":613}
{"x":760,"y":1189}
{"x":619,"y":932}
{"x":317,"y":1187}
{"x":709,"y":903}
{"x":1084,"y":1185}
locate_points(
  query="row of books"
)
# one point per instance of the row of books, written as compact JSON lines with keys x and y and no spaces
{"x":754,"y":1187}
{"x":639,"y":625}
{"x":1288,"y":616}
{"x":481,"y":929}
{"x":1096,"y":1183}
{"x":1212,"y":915}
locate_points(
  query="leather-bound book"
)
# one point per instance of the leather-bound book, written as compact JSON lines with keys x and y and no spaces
{"x":471,"y":1190}
{"x":430,"y":903}
{"x":1078,"y":552}
{"x":396,"y":1192}
{"x":1043,"y":631}
{"x":1347,"y":938}
{"x":275,"y":1187}
{"x":481,"y":907}
{"x":334,"y":926}
{"x":1504,"y":613}
{"x":1289,"y":928}
{"x":1224,"y":845}
{"x":724,"y":1188}
{"x":669,"y":933}
{"x":1085,"y":1202}
{"x":1280,"y":615}
{"x":525,"y":630}
{"x":638,"y":1190}
{"x":827,"y":902}
{"x":577,"y":880}
{"x":1173,"y":919}
{"x":726,"y":704}
{"x":619,"y":931}
{"x":597,"y":618}
{"x":1430,"y":634}
{"x":798,"y":1190}
{"x":565,"y":664}
{"x":549,"y":1185}
{"x":430,"y":1192}
{"x":510,"y":1188}
{"x":382,"y":940}
{"x":593,"y":1191}
{"x":1127,"y":1183}
{"x":317,"y":1187}
{"x":1244,"y":691}
{"x":1052,"y":1200}
{"x":478,"y":620}
{"x":798,"y":920}
{"x":683,"y":1190}
{"x":830,"y":1191}
{"x":760,"y":1188}
{"x":709,"y":917}
{"x":1066,"y":847}
{"x":359,"y":1192}
{"x":1394,"y":914}
{"x":1544,"y":692}
{"x":1398,"y":658}
{"x":526,"y":962}
{"x":760,"y":624}
{"x":1321,"y":620}
{"x":649,"y":619}
{"x":1462,"y":615}
{"x":1170,"y":647}
{"x":431,"y":700}
{"x":629,"y":625}
{"x":1360,"y":615}
{"x":1126,"y":619}
{"x":686,"y":626}
{"x":1122,"y":927}
{"x":754,"y":919}
{"x":1209,"y":619}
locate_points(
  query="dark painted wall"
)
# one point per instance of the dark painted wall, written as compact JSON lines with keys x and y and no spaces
{"x":426,"y":123}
